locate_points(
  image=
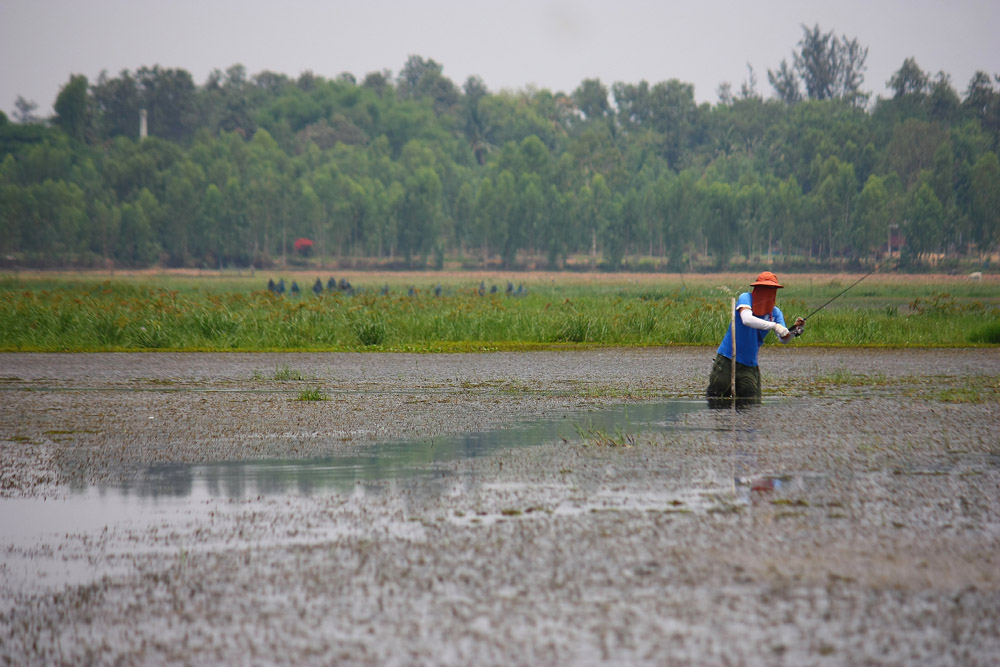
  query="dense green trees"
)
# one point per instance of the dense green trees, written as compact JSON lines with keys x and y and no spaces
{"x":415,"y":168}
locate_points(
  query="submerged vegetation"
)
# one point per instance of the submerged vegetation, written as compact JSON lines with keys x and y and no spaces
{"x":91,"y":314}
{"x":595,"y":437}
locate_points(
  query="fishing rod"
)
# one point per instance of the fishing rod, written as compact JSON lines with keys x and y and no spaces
{"x":797,"y":330}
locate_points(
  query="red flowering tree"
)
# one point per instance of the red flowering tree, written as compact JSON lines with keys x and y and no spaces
{"x":303,"y":246}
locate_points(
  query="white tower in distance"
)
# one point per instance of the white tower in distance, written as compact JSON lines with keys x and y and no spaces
{"x":142,"y":124}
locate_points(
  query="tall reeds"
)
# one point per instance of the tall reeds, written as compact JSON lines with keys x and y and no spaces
{"x":124,"y":315}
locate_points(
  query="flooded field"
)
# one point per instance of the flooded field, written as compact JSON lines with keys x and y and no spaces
{"x":509,"y":508}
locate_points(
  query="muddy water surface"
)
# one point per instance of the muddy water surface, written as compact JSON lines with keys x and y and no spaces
{"x":578,"y":507}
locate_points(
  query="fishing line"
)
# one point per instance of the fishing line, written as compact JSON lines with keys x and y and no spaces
{"x":797,"y":331}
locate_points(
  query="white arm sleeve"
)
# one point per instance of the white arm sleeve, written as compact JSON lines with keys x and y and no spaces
{"x":748,"y":319}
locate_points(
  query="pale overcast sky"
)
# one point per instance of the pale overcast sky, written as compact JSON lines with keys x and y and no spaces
{"x":510,"y":44}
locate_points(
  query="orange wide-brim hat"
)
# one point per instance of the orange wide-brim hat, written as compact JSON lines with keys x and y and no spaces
{"x":766,"y":279}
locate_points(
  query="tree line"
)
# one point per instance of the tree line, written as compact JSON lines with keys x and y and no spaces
{"x":413,"y":168}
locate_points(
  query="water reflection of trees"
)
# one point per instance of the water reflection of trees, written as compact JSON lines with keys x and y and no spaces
{"x":167,"y":480}
{"x":418,"y":461}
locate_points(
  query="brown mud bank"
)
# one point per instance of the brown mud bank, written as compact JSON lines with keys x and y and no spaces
{"x":173,"y":508}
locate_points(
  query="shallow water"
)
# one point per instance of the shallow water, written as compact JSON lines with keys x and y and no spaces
{"x":167,"y":491}
{"x":169,"y":499}
{"x":854,"y":520}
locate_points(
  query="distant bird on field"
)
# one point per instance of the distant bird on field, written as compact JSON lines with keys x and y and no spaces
{"x":493,"y":289}
{"x":280,"y":289}
{"x":510,"y":288}
{"x":331,"y":284}
{"x":482,"y":287}
{"x":385,"y":290}
{"x":295,"y":288}
{"x":271,"y":287}
{"x":318,"y":287}
{"x":437,"y":290}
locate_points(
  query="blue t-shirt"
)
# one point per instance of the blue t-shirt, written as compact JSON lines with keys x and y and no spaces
{"x":748,"y":341}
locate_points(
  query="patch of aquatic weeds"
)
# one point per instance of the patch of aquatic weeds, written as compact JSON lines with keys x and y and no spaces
{"x":284,"y":373}
{"x":844,"y":377}
{"x":167,"y":382}
{"x":518,"y":389}
{"x":979,"y":389}
{"x":281,"y":374}
{"x":798,"y":502}
{"x":609,"y":391}
{"x":725,"y":508}
{"x":507,"y":387}
{"x":312,"y":394}
{"x":594,"y":437}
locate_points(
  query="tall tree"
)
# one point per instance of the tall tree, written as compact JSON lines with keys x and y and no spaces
{"x":943,"y":100}
{"x":591,"y":98}
{"x":633,"y":103}
{"x":871,"y":222}
{"x":117,"y":101}
{"x":212,"y":214}
{"x":750,"y":201}
{"x":677,"y":118}
{"x":310,"y":212}
{"x":721,"y":212}
{"x":985,"y":202}
{"x":24,"y":111}
{"x":474,"y":125}
{"x":554,"y":236}
{"x":71,"y":107}
{"x":168,"y":95}
{"x":185,"y":181}
{"x":922,"y":225}
{"x":424,"y":79}
{"x":909,"y":79}
{"x":983,"y":102}
{"x":912,"y":148}
{"x":829,"y":67}
{"x":979,"y":95}
{"x":852,"y":59}
{"x":530,"y":210}
{"x":421,"y":214}
{"x":817,"y":63}
{"x":786,"y":207}
{"x":785,"y":82}
{"x":506,"y":217}
{"x":136,"y":241}
{"x":484,"y":219}
{"x":835,"y":198}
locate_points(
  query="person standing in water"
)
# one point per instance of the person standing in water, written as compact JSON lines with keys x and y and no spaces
{"x":756,"y":315}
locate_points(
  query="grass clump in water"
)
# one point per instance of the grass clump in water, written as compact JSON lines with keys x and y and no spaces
{"x":312,"y":394}
{"x":980,"y":389}
{"x":593,"y":437}
{"x":849,"y":378}
{"x":281,"y":374}
{"x":285,"y":374}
